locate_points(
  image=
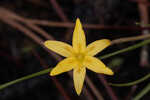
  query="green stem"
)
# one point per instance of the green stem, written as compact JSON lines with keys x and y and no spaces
{"x":48,"y":70}
{"x":24,"y":78}
{"x":126,"y":49}
{"x":132,"y":83}
{"x":142,"y":93}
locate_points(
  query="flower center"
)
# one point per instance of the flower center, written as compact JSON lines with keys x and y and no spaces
{"x":80,"y":57}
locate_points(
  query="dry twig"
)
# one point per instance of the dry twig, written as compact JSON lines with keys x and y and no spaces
{"x":143,"y":10}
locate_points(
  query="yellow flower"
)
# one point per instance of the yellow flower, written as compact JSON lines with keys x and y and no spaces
{"x":79,"y":57}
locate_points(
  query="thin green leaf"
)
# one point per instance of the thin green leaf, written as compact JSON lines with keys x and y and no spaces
{"x":142,"y":93}
{"x":132,"y":83}
{"x":25,"y":78}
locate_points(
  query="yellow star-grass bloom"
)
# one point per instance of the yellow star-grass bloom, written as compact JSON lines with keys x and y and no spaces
{"x":79,"y":57}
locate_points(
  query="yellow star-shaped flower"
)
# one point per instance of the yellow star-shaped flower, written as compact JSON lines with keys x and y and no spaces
{"x":79,"y":57}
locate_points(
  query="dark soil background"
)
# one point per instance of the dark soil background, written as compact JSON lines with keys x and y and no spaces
{"x":16,"y":62}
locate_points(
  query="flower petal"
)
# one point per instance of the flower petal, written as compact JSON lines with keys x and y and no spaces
{"x":59,"y":47}
{"x":96,"y":65}
{"x":78,"y":77}
{"x":64,"y":66}
{"x":97,"y":46}
{"x":79,"y":41}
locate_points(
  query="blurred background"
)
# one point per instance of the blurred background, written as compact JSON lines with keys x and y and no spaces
{"x":25,"y":24}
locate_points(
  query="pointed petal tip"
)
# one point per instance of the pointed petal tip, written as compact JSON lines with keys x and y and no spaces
{"x":78,"y":93}
{"x":109,"y":72}
{"x":112,"y":73}
{"x":45,"y":43}
{"x":51,"y":74}
{"x":108,"y":41}
{"x":78,"y":21}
